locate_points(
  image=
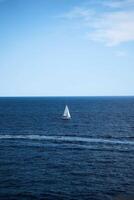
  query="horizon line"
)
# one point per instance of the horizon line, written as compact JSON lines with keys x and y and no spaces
{"x":68,"y":96}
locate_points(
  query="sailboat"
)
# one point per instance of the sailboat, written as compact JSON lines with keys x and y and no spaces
{"x":66,"y":114}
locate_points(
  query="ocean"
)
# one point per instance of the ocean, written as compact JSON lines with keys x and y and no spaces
{"x":90,"y":157}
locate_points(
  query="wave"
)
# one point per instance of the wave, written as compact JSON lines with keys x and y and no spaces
{"x":67,"y":139}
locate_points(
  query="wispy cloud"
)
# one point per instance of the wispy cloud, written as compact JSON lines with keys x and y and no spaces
{"x":119,"y":3}
{"x":112,"y":27}
{"x":79,"y":12}
{"x":121,"y":53}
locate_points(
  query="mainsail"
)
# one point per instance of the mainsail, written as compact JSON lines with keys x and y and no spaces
{"x":66,"y":114}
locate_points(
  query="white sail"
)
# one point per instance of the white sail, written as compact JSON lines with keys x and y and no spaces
{"x":66,"y":114}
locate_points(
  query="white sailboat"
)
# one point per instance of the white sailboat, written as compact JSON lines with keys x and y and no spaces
{"x":66,"y":114}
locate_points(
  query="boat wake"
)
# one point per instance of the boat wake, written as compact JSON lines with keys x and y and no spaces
{"x":67,"y":139}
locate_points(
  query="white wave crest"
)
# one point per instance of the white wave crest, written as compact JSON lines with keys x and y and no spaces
{"x":67,"y":139}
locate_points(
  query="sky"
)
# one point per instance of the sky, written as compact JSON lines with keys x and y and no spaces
{"x":66,"y":47}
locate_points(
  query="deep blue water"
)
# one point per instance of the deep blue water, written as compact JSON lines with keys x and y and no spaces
{"x":88,"y":157}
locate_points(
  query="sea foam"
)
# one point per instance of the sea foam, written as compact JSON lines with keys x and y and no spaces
{"x":66,"y":139}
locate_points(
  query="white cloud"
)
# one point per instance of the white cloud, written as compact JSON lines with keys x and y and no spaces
{"x":119,"y":3}
{"x":79,"y":13}
{"x":120,"y":53}
{"x":111,"y":27}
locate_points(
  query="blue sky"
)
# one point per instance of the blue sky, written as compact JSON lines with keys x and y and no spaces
{"x":66,"y":47}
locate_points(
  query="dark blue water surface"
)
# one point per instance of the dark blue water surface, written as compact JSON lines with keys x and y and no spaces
{"x":88,"y":157}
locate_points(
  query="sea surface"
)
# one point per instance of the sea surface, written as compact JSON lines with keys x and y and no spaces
{"x":90,"y":157}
